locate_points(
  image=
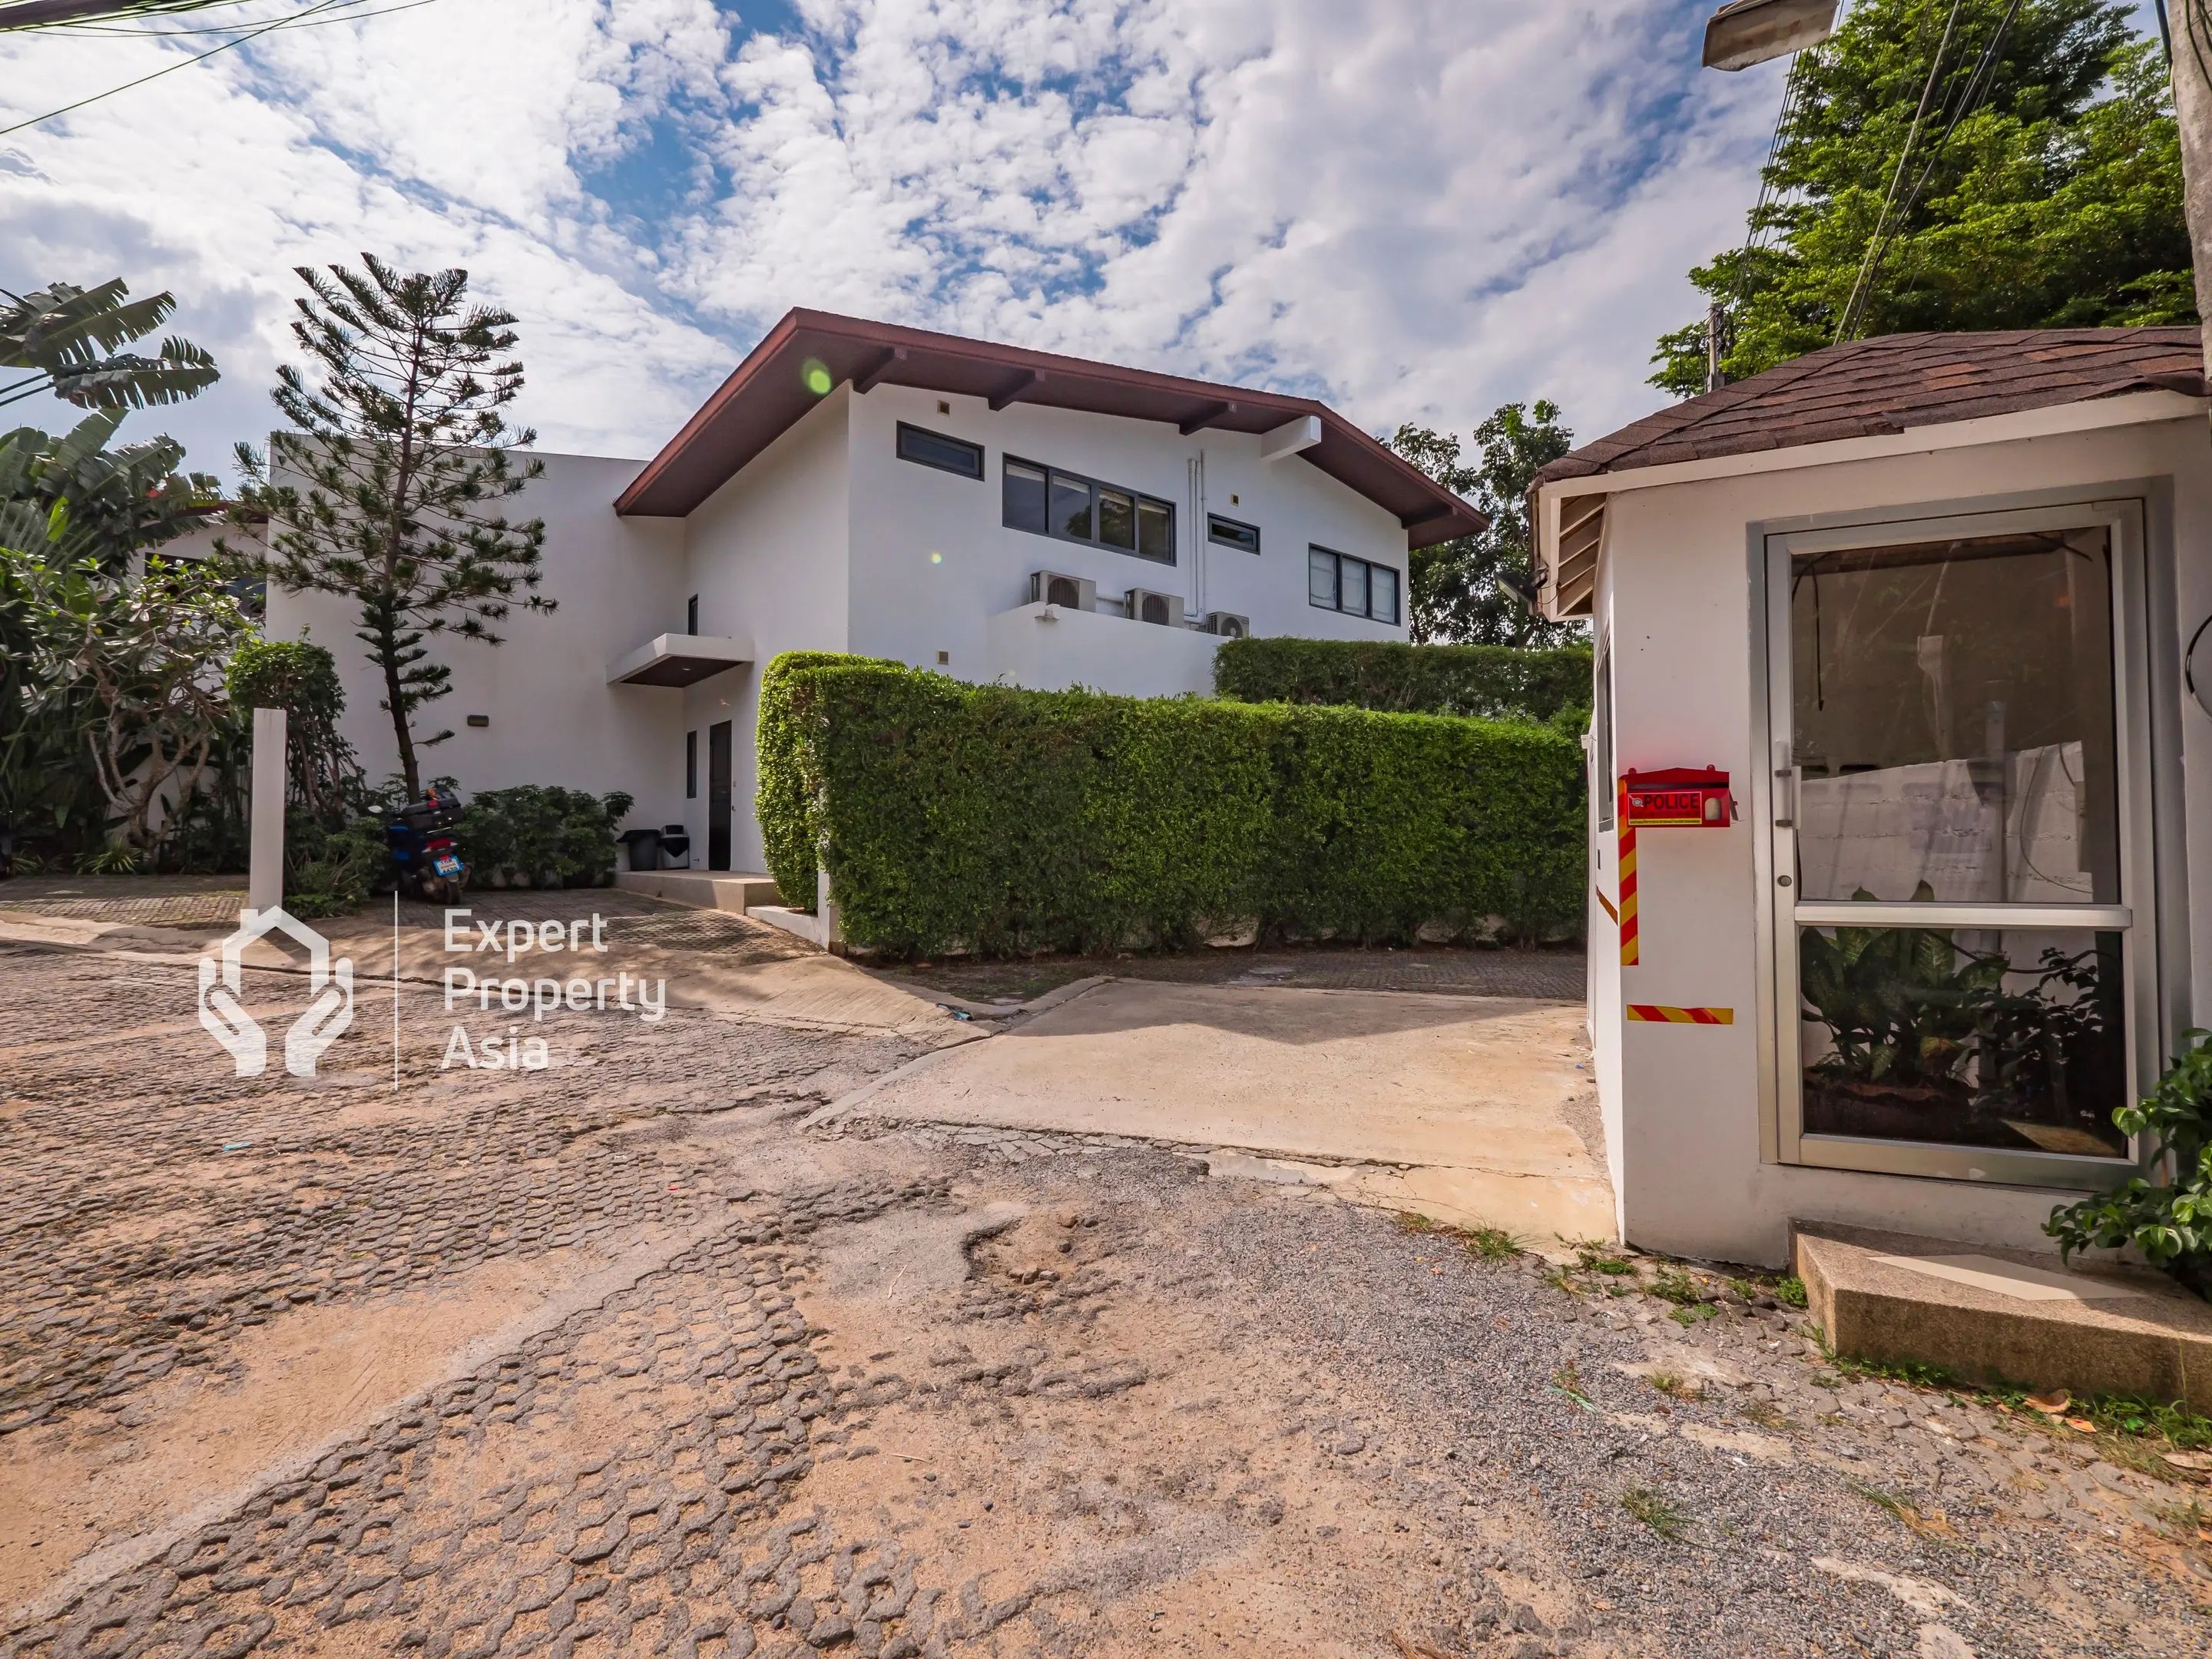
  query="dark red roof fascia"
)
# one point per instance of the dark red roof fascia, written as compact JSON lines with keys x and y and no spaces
{"x":767,"y":396}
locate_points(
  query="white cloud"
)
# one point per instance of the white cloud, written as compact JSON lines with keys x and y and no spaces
{"x":1417,"y":209}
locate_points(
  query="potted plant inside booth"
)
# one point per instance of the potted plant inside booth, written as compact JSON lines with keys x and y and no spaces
{"x":1928,"y":1040}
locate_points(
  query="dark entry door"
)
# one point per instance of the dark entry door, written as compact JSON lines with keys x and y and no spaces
{"x":718,"y":796}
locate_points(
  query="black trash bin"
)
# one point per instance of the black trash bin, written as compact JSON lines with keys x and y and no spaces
{"x":644,"y":847}
{"x":676,"y":846}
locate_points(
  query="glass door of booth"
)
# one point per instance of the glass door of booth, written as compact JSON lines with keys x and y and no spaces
{"x":1959,"y":810}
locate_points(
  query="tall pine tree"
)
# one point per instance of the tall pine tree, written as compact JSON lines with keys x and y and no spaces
{"x":388,"y":493}
{"x":2039,"y":188}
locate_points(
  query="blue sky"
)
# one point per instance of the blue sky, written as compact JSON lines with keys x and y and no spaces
{"x":1414,"y":209}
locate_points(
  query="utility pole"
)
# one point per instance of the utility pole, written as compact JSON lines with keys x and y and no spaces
{"x":2190,"y":46}
{"x":1740,"y":33}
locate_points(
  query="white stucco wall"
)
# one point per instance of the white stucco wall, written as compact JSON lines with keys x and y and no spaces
{"x":553,"y":720}
{"x":907,"y":605}
{"x":1682,"y":1103}
{"x":1050,"y":649}
{"x":766,"y":554}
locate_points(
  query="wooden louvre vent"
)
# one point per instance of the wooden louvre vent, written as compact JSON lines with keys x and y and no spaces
{"x":1574,"y":577}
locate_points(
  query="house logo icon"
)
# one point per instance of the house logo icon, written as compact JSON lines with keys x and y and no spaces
{"x":328,"y":984}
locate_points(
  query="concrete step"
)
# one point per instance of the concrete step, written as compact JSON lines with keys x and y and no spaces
{"x":703,"y":889}
{"x":1998,"y":1316}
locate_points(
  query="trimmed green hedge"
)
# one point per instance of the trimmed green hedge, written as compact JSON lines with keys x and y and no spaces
{"x":1488,"y":682}
{"x":782,"y":800}
{"x":1001,"y":820}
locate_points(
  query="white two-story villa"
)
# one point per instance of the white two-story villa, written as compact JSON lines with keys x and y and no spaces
{"x":988,"y":511}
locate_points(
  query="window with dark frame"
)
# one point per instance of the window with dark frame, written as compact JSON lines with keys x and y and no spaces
{"x":1228,"y":532}
{"x":1068,"y":506}
{"x":1027,"y":503}
{"x":947,"y":454}
{"x":690,"y":766}
{"x":1338,"y":581}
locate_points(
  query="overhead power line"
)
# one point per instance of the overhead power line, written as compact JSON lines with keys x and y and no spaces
{"x":1897,"y":174}
{"x":16,"y":15}
{"x":310,"y":18}
{"x":1887,"y":227}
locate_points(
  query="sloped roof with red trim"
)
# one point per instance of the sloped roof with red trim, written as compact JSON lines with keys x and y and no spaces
{"x":768,"y":394}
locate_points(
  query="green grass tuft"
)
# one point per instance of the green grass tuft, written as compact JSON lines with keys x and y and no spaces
{"x":1654,"y":1511}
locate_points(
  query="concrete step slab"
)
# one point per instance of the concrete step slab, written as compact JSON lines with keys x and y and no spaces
{"x":737,"y":891}
{"x":1998,"y":1316}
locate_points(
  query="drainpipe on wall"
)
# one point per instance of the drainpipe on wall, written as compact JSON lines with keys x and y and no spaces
{"x":1196,"y":467}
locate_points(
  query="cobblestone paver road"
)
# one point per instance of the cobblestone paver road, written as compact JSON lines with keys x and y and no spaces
{"x":617,"y":1358}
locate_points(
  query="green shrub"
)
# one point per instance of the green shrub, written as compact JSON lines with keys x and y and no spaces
{"x":783,"y":799}
{"x":1488,"y":681}
{"x":531,"y":837}
{"x":2170,"y":1223}
{"x":302,"y":679}
{"x":332,"y":873}
{"x":1003,"y":820}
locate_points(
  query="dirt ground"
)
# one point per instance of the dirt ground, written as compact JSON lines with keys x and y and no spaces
{"x":616,"y":1358}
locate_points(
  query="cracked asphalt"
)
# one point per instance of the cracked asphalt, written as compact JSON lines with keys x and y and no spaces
{"x":617,"y":1358}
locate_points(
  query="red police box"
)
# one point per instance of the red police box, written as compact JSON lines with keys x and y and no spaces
{"x":1677,"y":797}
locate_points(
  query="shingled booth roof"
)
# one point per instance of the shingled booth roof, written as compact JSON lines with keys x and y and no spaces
{"x":1862,"y":389}
{"x":769,"y":393}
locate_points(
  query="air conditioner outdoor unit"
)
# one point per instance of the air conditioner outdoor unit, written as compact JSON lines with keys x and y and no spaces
{"x":1146,"y":606}
{"x":1068,"y":593}
{"x":1227,"y":623}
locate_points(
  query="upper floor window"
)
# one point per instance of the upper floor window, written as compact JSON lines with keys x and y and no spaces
{"x":1046,"y":501}
{"x":919,"y":444}
{"x":1244,"y":538}
{"x":1337,"y":582}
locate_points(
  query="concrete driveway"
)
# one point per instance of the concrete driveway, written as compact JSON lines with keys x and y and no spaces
{"x":1462,"y":1108}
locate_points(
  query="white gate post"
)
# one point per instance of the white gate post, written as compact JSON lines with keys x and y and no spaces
{"x":265,"y":880}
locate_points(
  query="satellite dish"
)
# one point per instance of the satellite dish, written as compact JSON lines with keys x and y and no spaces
{"x":1747,"y":32}
{"x":2197,"y":666}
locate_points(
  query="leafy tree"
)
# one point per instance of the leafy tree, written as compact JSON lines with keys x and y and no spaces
{"x":68,"y":500}
{"x":74,"y":495}
{"x":136,"y":663}
{"x":1470,"y":590}
{"x":67,"y":337}
{"x":402,"y":459}
{"x":2042,"y":188}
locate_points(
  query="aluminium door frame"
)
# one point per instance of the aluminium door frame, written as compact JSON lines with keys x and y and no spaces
{"x":2123,"y":510}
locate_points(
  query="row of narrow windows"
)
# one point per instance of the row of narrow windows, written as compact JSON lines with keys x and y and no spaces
{"x":1045,"y":500}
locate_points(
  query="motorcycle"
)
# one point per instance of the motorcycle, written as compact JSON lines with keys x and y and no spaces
{"x":426,"y":856}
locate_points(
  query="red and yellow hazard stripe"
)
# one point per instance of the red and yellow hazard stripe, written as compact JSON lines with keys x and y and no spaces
{"x":1629,"y":953}
{"x":1659,"y":1014}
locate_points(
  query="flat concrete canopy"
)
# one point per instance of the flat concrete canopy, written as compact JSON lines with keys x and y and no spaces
{"x":678,"y":659}
{"x":1452,"y":1106}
